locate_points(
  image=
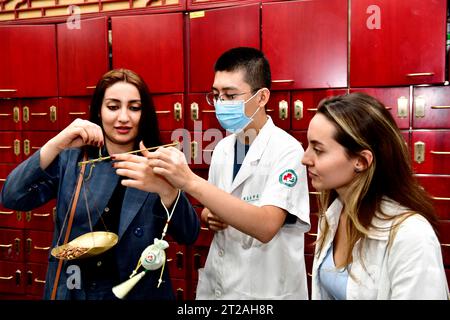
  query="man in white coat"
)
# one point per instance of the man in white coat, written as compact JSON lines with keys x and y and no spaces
{"x":257,"y":195}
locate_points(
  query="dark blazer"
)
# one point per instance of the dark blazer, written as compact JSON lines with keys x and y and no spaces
{"x":141,"y":220}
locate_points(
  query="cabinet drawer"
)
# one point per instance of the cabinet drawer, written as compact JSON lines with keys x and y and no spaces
{"x":12,"y":245}
{"x":12,"y":277}
{"x":439,"y":189}
{"x":35,"y":279}
{"x":37,"y":245}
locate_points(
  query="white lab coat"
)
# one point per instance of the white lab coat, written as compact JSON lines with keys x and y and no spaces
{"x":239,"y":266}
{"x":411,"y":269}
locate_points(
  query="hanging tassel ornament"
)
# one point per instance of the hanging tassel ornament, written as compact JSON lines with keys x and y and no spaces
{"x":152,"y":258}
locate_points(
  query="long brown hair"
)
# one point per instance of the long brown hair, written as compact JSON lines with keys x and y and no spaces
{"x":363,"y":123}
{"x":148,"y":130}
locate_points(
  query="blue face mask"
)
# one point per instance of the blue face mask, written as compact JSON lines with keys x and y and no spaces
{"x":231,"y":114}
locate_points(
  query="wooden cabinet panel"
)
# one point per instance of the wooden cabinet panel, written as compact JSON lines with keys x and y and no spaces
{"x":35,"y":279}
{"x":10,"y":147}
{"x":210,"y":35}
{"x":204,"y":4}
{"x":198,"y":259}
{"x":304,"y":105}
{"x":11,"y":245}
{"x":199,"y":115}
{"x":82,"y":56}
{"x":438,"y":186}
{"x":152,"y":46}
{"x":41,"y":218}
{"x":169,"y":111}
{"x":8,"y":81}
{"x":278,"y":109}
{"x":72,"y":108}
{"x":40,"y":114}
{"x":9,"y":218}
{"x":386,"y":36}
{"x":205,"y":236}
{"x":431,"y":107}
{"x":10,"y":115}
{"x":34,"y":140}
{"x":431,"y":151}
{"x":198,"y":150}
{"x":31,"y":52}
{"x":177,"y":260}
{"x":180,"y":289}
{"x":12,"y":277}
{"x":444,"y":237}
{"x":37,"y":245}
{"x":396,"y":100}
{"x":306,"y":43}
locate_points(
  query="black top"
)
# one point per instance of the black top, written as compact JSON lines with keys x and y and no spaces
{"x":104,"y":266}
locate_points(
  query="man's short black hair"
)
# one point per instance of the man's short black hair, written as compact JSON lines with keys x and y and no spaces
{"x":252,"y":61}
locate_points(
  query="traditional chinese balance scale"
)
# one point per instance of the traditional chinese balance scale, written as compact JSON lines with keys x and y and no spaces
{"x":96,"y":242}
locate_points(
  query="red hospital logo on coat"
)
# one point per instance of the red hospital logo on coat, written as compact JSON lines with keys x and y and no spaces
{"x":288,"y":178}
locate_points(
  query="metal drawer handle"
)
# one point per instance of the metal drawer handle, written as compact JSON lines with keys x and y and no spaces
{"x":312,"y":234}
{"x":162,"y":111}
{"x":6,"y":278}
{"x":440,"y":198}
{"x":440,"y":107}
{"x":440,"y":152}
{"x":41,"y":214}
{"x":6,"y":245}
{"x":77,"y":113}
{"x":41,"y":248}
{"x":8,"y":90}
{"x":91,"y":87}
{"x":5,"y":114}
{"x":39,"y":281}
{"x":39,"y":114}
{"x":2,"y":180}
{"x":445,"y":244}
{"x":420,"y":74}
{"x":209,"y":111}
{"x":312,"y":109}
{"x":283,"y":81}
{"x":314,"y":192}
{"x":5,"y":147}
{"x":6,"y":212}
{"x":204,"y":228}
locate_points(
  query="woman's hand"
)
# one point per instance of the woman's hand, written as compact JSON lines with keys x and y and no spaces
{"x":141,"y":176}
{"x":213,"y":222}
{"x":77,"y":134}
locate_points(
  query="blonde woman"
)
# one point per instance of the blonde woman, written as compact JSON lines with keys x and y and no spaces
{"x":377,"y":228}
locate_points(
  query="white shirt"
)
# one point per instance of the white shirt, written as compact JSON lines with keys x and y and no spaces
{"x":412,"y":268}
{"x":239,"y":266}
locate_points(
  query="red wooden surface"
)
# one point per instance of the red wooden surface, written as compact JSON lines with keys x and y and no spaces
{"x":152,"y":46}
{"x":210,"y":35}
{"x":82,"y":56}
{"x":306,"y":43}
{"x":436,"y":101}
{"x":408,"y":39}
